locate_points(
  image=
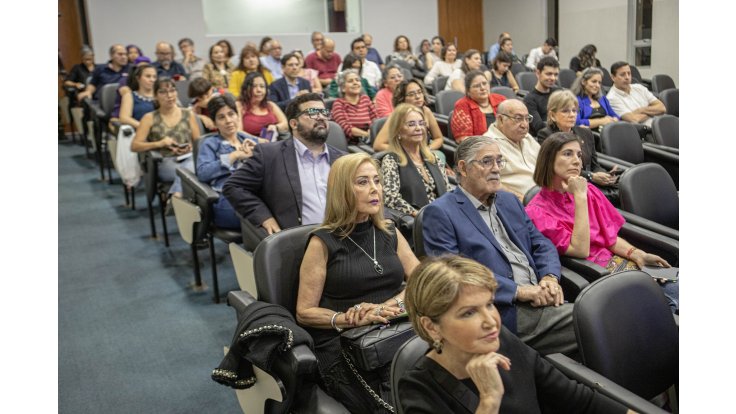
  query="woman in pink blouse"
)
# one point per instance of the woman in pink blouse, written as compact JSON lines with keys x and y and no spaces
{"x":354,"y":112}
{"x":392,"y":77}
{"x":578,"y":218}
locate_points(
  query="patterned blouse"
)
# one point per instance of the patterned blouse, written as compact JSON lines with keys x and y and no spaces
{"x":181,"y":132}
{"x":392,"y":184}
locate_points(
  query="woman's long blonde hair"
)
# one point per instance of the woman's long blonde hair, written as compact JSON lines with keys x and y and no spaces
{"x":395,"y":122}
{"x":341,"y":211}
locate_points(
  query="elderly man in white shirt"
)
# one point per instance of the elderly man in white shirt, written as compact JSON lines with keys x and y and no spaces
{"x":519,"y":148}
{"x":633,"y":102}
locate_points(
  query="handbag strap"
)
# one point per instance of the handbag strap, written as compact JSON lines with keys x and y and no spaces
{"x":365,"y":385}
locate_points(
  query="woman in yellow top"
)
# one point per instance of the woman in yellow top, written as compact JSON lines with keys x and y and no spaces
{"x":249,"y":62}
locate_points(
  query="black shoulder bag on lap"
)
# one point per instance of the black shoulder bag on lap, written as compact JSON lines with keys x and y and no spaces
{"x":373,"y":346}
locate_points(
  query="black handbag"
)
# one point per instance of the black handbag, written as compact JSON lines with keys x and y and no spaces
{"x":373,"y":346}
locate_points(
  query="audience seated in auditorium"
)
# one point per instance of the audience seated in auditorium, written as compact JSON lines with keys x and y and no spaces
{"x":272,"y":61}
{"x":317,"y":40}
{"x":412,"y":92}
{"x":137,"y":97}
{"x":372,"y":54}
{"x":193,"y":64}
{"x":260,"y":116}
{"x":475,"y":111}
{"x":633,"y":102}
{"x":595,"y":110}
{"x":402,"y":51}
{"x":352,"y":61}
{"x":547,"y":71}
{"x":424,"y":49}
{"x":354,"y":111}
{"x":352,"y":275}
{"x":169,"y":130}
{"x":507,"y":45}
{"x":450,"y":304}
{"x":248,"y":63}
{"x":471,"y":61}
{"x":263,"y":46}
{"x":494,"y":49}
{"x":392,"y":77}
{"x":273,"y":189}
{"x":546,"y":50}
{"x":370,"y":72}
{"x":221,"y":154}
{"x":484,"y":223}
{"x":311,"y":75}
{"x":165,"y":63}
{"x":325,"y":61}
{"x":111,"y":72}
{"x":412,"y":175}
{"x":445,"y":66}
{"x":585,"y":59}
{"x":200,"y":92}
{"x":578,"y":218}
{"x":562,"y":110}
{"x":80,"y":73}
{"x":219,"y":68}
{"x":283,"y":90}
{"x":134,"y":52}
{"x":501,"y":74}
{"x":519,"y":149}
{"x":229,"y":51}
{"x":435,"y":52}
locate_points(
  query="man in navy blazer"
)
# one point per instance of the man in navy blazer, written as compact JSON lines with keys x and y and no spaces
{"x":284,"y":183}
{"x":283,"y":90}
{"x":478,"y":221}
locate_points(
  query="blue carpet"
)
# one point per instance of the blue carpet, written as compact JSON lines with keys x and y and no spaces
{"x":133,"y":336}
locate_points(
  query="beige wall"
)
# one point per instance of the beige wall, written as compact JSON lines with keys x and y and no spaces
{"x":528,"y":29}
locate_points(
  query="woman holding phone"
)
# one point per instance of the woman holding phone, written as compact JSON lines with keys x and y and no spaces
{"x":170,"y":130}
{"x":260,"y":117}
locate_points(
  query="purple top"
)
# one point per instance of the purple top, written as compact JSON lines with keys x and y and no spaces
{"x":554,"y":215}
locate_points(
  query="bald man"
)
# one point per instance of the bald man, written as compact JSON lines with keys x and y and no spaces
{"x":325,"y":61}
{"x":112,"y":72}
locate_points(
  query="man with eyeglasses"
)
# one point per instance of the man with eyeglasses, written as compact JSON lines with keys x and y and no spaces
{"x":272,"y":61}
{"x":519,"y":148}
{"x":291,"y":85}
{"x":166,"y":65}
{"x":284,"y":183}
{"x":548,"y":69}
{"x":371,"y":72}
{"x":480,"y":221}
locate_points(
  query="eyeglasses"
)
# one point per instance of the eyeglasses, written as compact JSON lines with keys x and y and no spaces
{"x":414,"y":124}
{"x":519,"y":119}
{"x":488,"y":162}
{"x":479,"y":85}
{"x":171,"y":91}
{"x":314,"y":113}
{"x":415,"y":94}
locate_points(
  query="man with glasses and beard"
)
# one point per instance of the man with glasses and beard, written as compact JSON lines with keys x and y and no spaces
{"x":284,"y":183}
{"x":480,"y":221}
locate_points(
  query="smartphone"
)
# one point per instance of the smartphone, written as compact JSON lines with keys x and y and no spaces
{"x":267,"y":134}
{"x":182,"y":145}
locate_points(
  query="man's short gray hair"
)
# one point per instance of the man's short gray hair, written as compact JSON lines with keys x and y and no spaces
{"x":468,"y":149}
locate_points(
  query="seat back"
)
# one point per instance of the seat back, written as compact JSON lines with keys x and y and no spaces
{"x":661,"y":83}
{"x":449,"y":126}
{"x":607,"y":79}
{"x":376,"y":126}
{"x":505,"y":91}
{"x":517,"y":68}
{"x":182,"y":91}
{"x":671,"y":100}
{"x":405,"y":358}
{"x":336,"y":137}
{"x":329,"y":102}
{"x":648,"y":191}
{"x":625,"y":317}
{"x":567,"y":77}
{"x":439,"y":83}
{"x":276,"y":265}
{"x":445,"y":101}
{"x":666,"y":130}
{"x":621,"y":140}
{"x":527,"y":80}
{"x":635,"y":75}
{"x":418,"y":235}
{"x":107,"y":98}
{"x":531,"y":193}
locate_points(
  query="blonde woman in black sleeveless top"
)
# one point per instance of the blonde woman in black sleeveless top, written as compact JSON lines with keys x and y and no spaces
{"x":352,"y":275}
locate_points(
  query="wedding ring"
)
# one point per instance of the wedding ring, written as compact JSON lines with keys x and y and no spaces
{"x":378,"y":311}
{"x":357,"y":307}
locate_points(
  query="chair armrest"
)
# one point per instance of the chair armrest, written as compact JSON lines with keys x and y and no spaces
{"x":588,"y":270}
{"x":522,"y":93}
{"x":572,"y":283}
{"x":606,"y":161}
{"x":662,"y":147}
{"x":651,"y":225}
{"x":354,"y":149}
{"x":449,"y":142}
{"x":579,"y":372}
{"x":651,"y":152}
{"x":651,"y":242}
{"x":201,"y":190}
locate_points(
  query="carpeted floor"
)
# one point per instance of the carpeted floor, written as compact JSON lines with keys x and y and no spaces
{"x":133,"y":336}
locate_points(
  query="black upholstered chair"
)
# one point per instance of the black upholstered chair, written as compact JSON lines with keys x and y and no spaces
{"x":439,"y":84}
{"x":650,"y":196}
{"x":642,"y":360}
{"x":155,"y":189}
{"x":203,"y":197}
{"x":276,"y":266}
{"x":336,"y":137}
{"x":405,"y":358}
{"x":666,"y":131}
{"x":445,"y":101}
{"x":671,"y":100}
{"x":567,"y":77}
{"x":662,"y":82}
{"x":526,"y":81}
{"x":505,"y":91}
{"x":101,"y":113}
{"x":621,"y":140}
